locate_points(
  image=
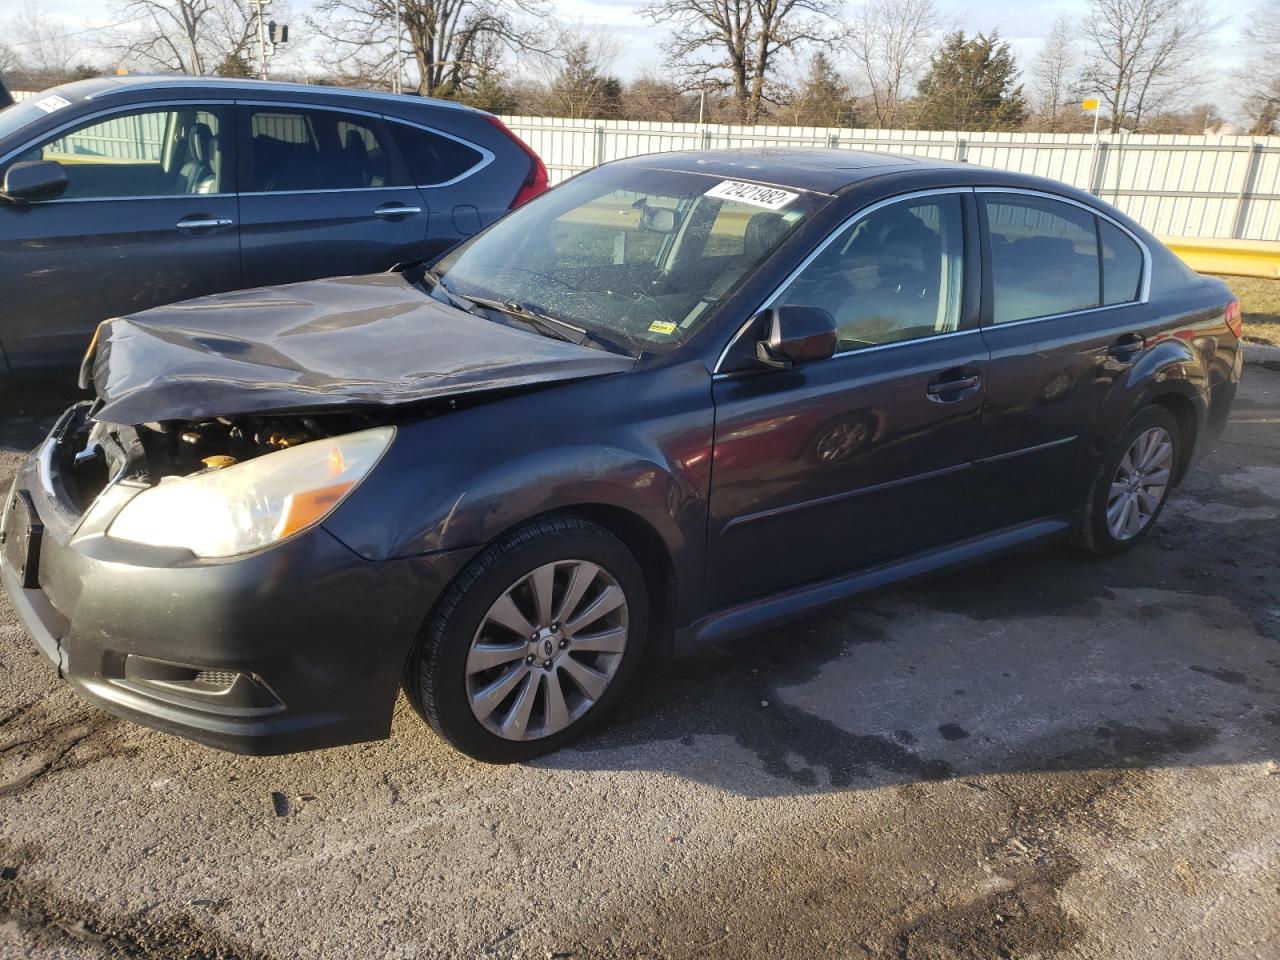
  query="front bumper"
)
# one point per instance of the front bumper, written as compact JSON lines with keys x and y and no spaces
{"x":296,"y":647}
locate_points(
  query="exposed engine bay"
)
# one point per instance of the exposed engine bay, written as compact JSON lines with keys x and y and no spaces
{"x":93,"y":453}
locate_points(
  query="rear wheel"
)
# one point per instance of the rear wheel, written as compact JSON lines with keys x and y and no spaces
{"x":533,"y":643}
{"x":1132,"y":484}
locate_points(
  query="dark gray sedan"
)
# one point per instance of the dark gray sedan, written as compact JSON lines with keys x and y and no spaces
{"x":124,"y":193}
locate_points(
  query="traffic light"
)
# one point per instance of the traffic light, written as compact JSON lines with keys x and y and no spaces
{"x":277,"y":32}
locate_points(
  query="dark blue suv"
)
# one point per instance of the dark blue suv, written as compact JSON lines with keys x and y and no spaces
{"x":124,"y":193}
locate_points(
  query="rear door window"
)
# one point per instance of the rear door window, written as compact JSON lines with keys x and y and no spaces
{"x":304,"y":150}
{"x":433,"y":158}
{"x":1044,"y":257}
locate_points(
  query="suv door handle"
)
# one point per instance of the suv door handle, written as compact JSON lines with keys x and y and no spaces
{"x":203,"y":223}
{"x":952,"y":388}
{"x":389,"y":211}
{"x":1127,"y":347}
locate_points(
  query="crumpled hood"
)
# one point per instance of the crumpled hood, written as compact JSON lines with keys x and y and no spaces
{"x":367,"y":341}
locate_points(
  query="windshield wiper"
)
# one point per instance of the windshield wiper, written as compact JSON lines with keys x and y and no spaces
{"x":528,"y":312}
{"x":531,"y":315}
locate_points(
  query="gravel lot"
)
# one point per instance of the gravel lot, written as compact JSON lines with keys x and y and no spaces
{"x":1048,"y":755}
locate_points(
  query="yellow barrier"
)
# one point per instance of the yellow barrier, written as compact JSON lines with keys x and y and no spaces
{"x":1235,"y":258}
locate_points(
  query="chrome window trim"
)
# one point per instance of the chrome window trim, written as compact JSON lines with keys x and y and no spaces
{"x":826,"y":242}
{"x":149,"y":196}
{"x":1145,"y":286}
{"x":106,"y":112}
{"x":486,"y":155}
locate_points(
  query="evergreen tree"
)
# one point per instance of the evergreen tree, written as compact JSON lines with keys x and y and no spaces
{"x":971,"y":85}
{"x":824,"y":98}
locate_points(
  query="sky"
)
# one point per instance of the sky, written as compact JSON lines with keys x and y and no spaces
{"x":1023,"y":22}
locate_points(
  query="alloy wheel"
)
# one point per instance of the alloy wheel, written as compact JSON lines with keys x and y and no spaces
{"x":547,"y":650}
{"x":1140,"y":483}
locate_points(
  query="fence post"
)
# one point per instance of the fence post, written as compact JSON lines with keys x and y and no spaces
{"x":962,"y":149}
{"x":706,"y":139}
{"x":1098,"y":168}
{"x":1246,"y":187}
{"x":599,"y":148}
{"x":833,"y":141}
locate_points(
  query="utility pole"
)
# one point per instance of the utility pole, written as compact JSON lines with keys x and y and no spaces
{"x":262,"y":38}
{"x":398,"y":85}
{"x":269,"y":34}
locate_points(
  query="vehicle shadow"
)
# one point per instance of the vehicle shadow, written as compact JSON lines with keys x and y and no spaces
{"x":1043,"y":660}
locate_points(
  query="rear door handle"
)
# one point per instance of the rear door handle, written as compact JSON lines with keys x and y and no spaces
{"x":203,"y":223}
{"x":1127,"y":347}
{"x":389,"y":211}
{"x":953,"y":388}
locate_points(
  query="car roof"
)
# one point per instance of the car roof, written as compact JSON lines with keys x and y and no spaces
{"x":822,"y":170}
{"x":104,"y":86}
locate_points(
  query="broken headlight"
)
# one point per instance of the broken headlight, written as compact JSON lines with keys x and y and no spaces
{"x":237,"y":509}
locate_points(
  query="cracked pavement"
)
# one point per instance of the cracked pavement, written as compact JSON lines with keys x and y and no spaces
{"x":1048,"y":755}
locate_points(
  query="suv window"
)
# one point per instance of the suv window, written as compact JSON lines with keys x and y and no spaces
{"x":315,"y":150}
{"x":895,"y":274}
{"x":1044,"y":258}
{"x":433,"y":158}
{"x":142,"y":153}
{"x":1121,"y":264}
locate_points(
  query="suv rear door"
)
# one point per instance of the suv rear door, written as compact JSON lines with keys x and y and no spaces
{"x":149,"y":217}
{"x":323,"y":193}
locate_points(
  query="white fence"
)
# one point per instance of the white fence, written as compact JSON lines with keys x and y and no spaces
{"x":1191,"y":186}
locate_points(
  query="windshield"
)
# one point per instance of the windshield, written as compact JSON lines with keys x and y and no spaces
{"x":13,"y":118}
{"x":630,"y":254}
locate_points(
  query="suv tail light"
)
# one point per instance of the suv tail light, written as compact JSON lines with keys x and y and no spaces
{"x":1235,"y":322}
{"x":535,"y":182}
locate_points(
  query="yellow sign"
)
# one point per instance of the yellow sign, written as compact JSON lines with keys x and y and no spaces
{"x":1091,"y":103}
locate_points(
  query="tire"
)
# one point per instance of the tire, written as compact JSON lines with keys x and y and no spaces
{"x":474,"y":625}
{"x":1093,"y":528}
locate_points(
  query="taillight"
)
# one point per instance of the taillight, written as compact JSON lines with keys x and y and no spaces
{"x":1235,"y":322}
{"x":535,"y":181}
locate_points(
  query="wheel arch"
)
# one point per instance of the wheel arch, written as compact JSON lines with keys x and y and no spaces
{"x":1185,"y":412}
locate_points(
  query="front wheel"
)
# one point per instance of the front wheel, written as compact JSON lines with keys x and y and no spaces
{"x":1132,"y":485}
{"x":533,"y":643}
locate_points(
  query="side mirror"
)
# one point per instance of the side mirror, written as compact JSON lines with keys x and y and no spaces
{"x":34,"y":180}
{"x":796,"y":334}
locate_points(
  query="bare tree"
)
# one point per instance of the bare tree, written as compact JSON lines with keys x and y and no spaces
{"x":736,"y":44}
{"x":1053,"y":74}
{"x":188,"y":36}
{"x":445,"y":40}
{"x":891,"y":42}
{"x":45,"y":45}
{"x":1260,"y":79}
{"x":652,"y":97}
{"x":1144,"y":56}
{"x":578,"y":76}
{"x":9,"y":59}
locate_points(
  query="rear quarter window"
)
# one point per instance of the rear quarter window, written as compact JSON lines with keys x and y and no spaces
{"x":1121,"y":264}
{"x":433,"y":158}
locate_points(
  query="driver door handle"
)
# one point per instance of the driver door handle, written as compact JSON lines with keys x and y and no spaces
{"x":952,"y":388}
{"x":203,"y":223}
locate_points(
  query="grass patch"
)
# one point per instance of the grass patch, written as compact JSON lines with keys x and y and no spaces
{"x":1260,"y":304}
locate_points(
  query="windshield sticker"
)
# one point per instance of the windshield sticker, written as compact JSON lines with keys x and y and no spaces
{"x":662,"y":326}
{"x":771,"y":198}
{"x":52,"y":103}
